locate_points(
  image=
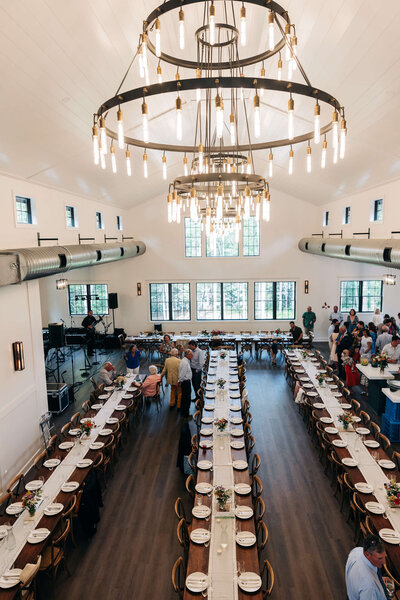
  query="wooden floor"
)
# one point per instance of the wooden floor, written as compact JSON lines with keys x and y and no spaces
{"x":135,"y":546}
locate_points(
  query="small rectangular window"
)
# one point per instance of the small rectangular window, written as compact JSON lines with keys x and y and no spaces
{"x":363,"y":296}
{"x":24,"y":210}
{"x":346,"y":215}
{"x":376,"y":212}
{"x":192,"y":238}
{"x":251,"y":237}
{"x":87,"y":296}
{"x":99,"y":220}
{"x":325,"y":220}
{"x":170,"y":301}
{"x":70,"y":216}
{"x":119,"y":223}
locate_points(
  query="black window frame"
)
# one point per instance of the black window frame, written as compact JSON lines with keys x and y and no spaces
{"x":99,"y":220}
{"x":222,"y":284}
{"x":361,"y":282}
{"x":347,"y":215}
{"x":274,"y":301}
{"x":170,"y":303}
{"x":326,"y":218}
{"x":378,"y":209}
{"x":28,"y":211}
{"x":119,"y":223}
{"x":88,"y":297}
{"x":71,"y":209}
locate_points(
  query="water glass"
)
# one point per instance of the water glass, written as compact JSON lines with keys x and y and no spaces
{"x":389,"y":586}
{"x":199,"y":500}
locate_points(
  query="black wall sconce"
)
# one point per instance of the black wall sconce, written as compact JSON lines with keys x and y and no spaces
{"x":139,"y":289}
{"x":306,"y":286}
{"x":18,"y":353}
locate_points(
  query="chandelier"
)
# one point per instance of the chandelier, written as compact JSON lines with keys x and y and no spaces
{"x":229,"y":106}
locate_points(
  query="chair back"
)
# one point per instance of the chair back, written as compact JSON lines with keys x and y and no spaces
{"x":268,"y":577}
{"x":178,"y":576}
{"x":180,"y":509}
{"x":262,"y":536}
{"x":259,"y":509}
{"x":190,"y":486}
{"x":15,"y":484}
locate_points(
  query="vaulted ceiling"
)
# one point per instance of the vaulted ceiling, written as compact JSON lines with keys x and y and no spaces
{"x":60,"y":60}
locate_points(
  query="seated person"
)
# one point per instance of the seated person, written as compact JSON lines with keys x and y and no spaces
{"x":107,"y":374}
{"x":297,"y":334}
{"x":149,"y":386}
{"x":393,"y":349}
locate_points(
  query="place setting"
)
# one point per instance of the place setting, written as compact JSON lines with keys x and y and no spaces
{"x":53,"y":509}
{"x":38,"y":535}
{"x":197,"y":582}
{"x":51,"y":463}
{"x":240,"y":465}
{"x":200,"y":535}
{"x":10,"y":578}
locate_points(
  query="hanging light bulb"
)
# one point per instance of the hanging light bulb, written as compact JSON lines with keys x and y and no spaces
{"x":287,"y":38}
{"x":208,"y":219}
{"x":141,"y":66}
{"x":258,"y":204}
{"x":279,"y":68}
{"x":323,"y":154}
{"x":164,"y":167}
{"x":178,"y":210}
{"x":262,"y":74}
{"x":120,"y":129}
{"x":270,"y":164}
{"x":232,"y":129}
{"x":145,"y":168}
{"x":159,"y":74}
{"x":343,"y":133}
{"x":291,"y":118}
{"x":212,"y":23}
{"x":243,"y":25}
{"x":174,"y":203}
{"x":308,"y":158}
{"x":128,"y":162}
{"x":185,"y":166}
{"x":248,"y":166}
{"x":220,"y":194}
{"x":257,"y":124}
{"x":144,"y":51}
{"x":103,"y":137}
{"x":291,"y":155}
{"x":201,"y":157}
{"x":294,"y":52}
{"x":169,"y":204}
{"x":266,"y":205}
{"x":317,"y":123}
{"x":193,"y":211}
{"x":335,"y":129}
{"x":271,"y":31}
{"x":95,"y":139}
{"x":219,"y":115}
{"x":178,"y":118}
{"x":145,"y":122}
{"x":181,"y":29}
{"x":234,"y":182}
{"x":228,"y":165}
{"x":198,"y":90}
{"x":102,"y":160}
{"x":335,"y":154}
{"x":158,"y":38}
{"x":113,"y":161}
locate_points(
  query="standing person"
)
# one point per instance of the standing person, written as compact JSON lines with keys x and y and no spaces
{"x":171,"y":370}
{"x":331,"y":329}
{"x":336,"y":314}
{"x":366,"y":343}
{"x":343,"y":342}
{"x":377,"y":318}
{"x":363,"y":571}
{"x":383,"y":339}
{"x":185,"y":379}
{"x":89,"y":323}
{"x":132,"y":358}
{"x":373,"y":333}
{"x":196,"y":365}
{"x":333,"y":356}
{"x":352,"y":321}
{"x":309,"y":319}
{"x":166,"y":346}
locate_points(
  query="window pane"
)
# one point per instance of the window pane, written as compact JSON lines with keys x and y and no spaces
{"x":99,"y":298}
{"x":208,"y":301}
{"x":372,"y":295}
{"x":378,"y":206}
{"x":349,"y":295}
{"x":78,"y":304}
{"x":251,"y":237}
{"x":180,"y":296}
{"x":263,"y":300}
{"x":192,"y":238}
{"x":70,"y":216}
{"x":222,"y":245}
{"x":24,"y":214}
{"x":159,"y":306}
{"x":347,"y":215}
{"x":235,"y":300}
{"x":99,"y":220}
{"x":285,"y":299}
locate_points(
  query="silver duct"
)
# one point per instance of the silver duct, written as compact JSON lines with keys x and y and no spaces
{"x":383,"y":252}
{"x":21,"y":264}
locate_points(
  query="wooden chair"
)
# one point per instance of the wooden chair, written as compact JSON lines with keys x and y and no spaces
{"x":197,"y":420}
{"x":52,"y":445}
{"x":190,"y":486}
{"x":183,"y":536}
{"x":249,"y":444}
{"x":259,"y":509}
{"x":75,"y":419}
{"x":27,"y":586}
{"x":337,"y":477}
{"x":268,"y":578}
{"x":55,"y":554}
{"x":86,"y":406}
{"x":108,"y":457}
{"x":262,"y":537}
{"x":359,"y":515}
{"x":375,"y":430}
{"x":15,"y":484}
{"x":355,"y":405}
{"x":257,"y":487}
{"x":93,"y":382}
{"x":65,"y":428}
{"x":255,"y":464}
{"x":178,"y":576}
{"x":384,"y":441}
{"x":396,"y":458}
{"x":195,"y":443}
{"x":365,"y":418}
{"x":180,"y":510}
{"x":39,"y":460}
{"x":5,"y":501}
{"x":193,"y":463}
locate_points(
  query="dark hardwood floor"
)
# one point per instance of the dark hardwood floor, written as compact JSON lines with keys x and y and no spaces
{"x":135,"y":545}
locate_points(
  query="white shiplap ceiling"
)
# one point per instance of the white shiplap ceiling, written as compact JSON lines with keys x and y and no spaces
{"x":60,"y":60}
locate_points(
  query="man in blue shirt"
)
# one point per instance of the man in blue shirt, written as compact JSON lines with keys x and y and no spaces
{"x":132,"y":358}
{"x":364,"y":580}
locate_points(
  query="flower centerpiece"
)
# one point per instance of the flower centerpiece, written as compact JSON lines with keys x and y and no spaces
{"x":304,"y":355}
{"x":222,"y":495}
{"x":277,"y":330}
{"x":120,"y":380}
{"x":221,"y":383}
{"x":30,"y":501}
{"x":220,"y":424}
{"x":320,"y":377}
{"x":381,"y":361}
{"x":86,"y":427}
{"x":216,"y":332}
{"x":222,"y":354}
{"x":346,"y":419}
{"x":393,"y":493}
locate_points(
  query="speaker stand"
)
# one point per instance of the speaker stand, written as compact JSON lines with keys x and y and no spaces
{"x":85,"y":370}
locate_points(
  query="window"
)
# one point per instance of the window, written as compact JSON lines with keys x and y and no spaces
{"x":99,"y":220}
{"x":88,"y":296}
{"x":192,"y":238}
{"x":363,"y":296}
{"x":24,"y":210}
{"x":251,"y":237}
{"x":376,"y":210}
{"x":325,"y":220}
{"x":222,"y":245}
{"x":346,"y":215}
{"x":170,"y":301}
{"x":119,"y":223}
{"x":222,"y":301}
{"x":274,"y":300}
{"x":70,"y":216}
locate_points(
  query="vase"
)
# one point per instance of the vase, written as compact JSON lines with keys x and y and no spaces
{"x":345,"y":426}
{"x":382,"y":369}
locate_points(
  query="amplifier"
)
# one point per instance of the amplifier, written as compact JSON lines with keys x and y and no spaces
{"x":57,"y":397}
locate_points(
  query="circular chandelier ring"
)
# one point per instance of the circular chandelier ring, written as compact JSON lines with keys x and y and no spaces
{"x":230,"y":29}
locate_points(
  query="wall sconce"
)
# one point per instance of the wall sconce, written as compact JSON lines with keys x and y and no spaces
{"x":139,"y":289}
{"x":306,"y":286}
{"x":18,"y":352}
{"x":389,"y":279}
{"x":61,"y":284}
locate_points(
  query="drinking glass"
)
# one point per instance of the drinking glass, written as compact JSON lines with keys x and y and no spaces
{"x":389,"y":586}
{"x":240,"y":567}
{"x":199,"y":500}
{"x":41,"y":478}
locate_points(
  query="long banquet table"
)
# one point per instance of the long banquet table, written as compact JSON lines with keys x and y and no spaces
{"x":25,"y":552}
{"x":220,"y":564}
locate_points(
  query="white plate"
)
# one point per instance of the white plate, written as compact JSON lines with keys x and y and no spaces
{"x":234,"y":380}
{"x":206,"y":444}
{"x":240,"y":465}
{"x":357,"y":419}
{"x":201,"y":512}
{"x":386,"y":464}
{"x":249,"y":582}
{"x":329,"y":379}
{"x":375,"y":507}
{"x":331,"y":430}
{"x":237,"y":432}
{"x":346,"y":406}
{"x":245,"y":539}
{"x":53,"y":509}
{"x":338,"y":395}
{"x":299,"y":370}
{"x":69,"y":486}
{"x":203,"y":487}
{"x":204,"y":465}
{"x":66,"y":445}
{"x":326,"y":420}
{"x":234,"y":395}
{"x":85,"y":420}
{"x":209,"y":407}
{"x":320,"y":405}
{"x":371,"y":443}
{"x":84,"y":463}
{"x":312,"y":394}
{"x":51,"y":463}
{"x":235,"y":407}
{"x":339,"y":443}
{"x":96,"y":445}
{"x":121,"y":407}
{"x":103,"y":396}
{"x":112,"y":420}
{"x":34,"y":485}
{"x":309,"y":386}
{"x":363,"y":487}
{"x":207,"y":420}
{"x":10,"y":578}
{"x":236,"y":420}
{"x":127,"y":397}
{"x":349,"y":462}
{"x":333,"y":387}
{"x":15,"y":508}
{"x":362,"y":430}
{"x":109,"y":388}
{"x":210,"y":395}
{"x":206,"y":431}
{"x":96,"y":406}
{"x":74,"y":431}
{"x":243,"y":511}
{"x":37,"y":536}
{"x":105,"y":432}
{"x":200,"y":535}
{"x":233,"y":388}
{"x":237,"y":444}
{"x":242,"y":489}
{"x":197,"y":582}
{"x":390,"y":536}
{"x":321,"y":371}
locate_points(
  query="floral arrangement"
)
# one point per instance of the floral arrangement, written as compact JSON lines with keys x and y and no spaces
{"x":86,"y":427}
{"x":216,"y":332}
{"x":220,"y":424}
{"x":304,"y":355}
{"x":277,"y":330}
{"x":381,"y":361}
{"x":320,"y":377}
{"x":204,"y":332}
{"x":120,"y":380}
{"x":393,"y":493}
{"x":346,"y":419}
{"x":222,"y":354}
{"x":222,"y":495}
{"x":221,"y":383}
{"x":30,"y":501}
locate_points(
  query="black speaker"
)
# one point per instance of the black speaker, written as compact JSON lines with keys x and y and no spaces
{"x":113,"y":300}
{"x":56,"y":335}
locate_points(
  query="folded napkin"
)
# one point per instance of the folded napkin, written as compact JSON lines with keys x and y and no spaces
{"x":27,"y":573}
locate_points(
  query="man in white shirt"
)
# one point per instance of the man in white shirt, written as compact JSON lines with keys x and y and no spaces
{"x":364,"y":579}
{"x":196,"y":364}
{"x":383,"y":339}
{"x":185,"y":379}
{"x":393,"y":350}
{"x":107,"y":374}
{"x":336,"y":314}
